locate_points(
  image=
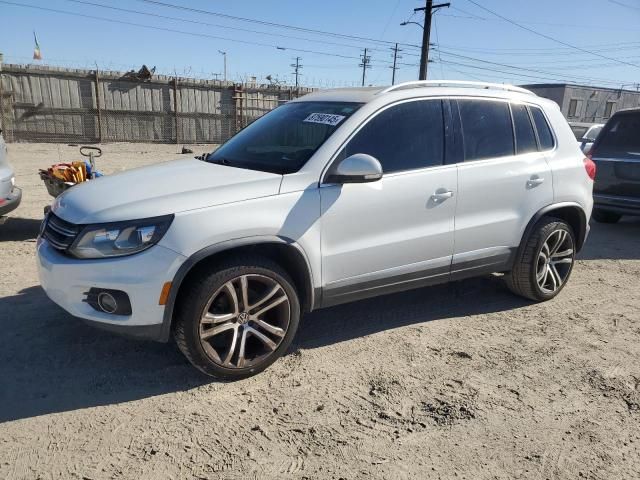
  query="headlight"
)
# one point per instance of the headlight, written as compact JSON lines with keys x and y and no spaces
{"x":119,"y":238}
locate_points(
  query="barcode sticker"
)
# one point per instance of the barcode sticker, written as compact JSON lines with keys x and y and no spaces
{"x":324,"y":118}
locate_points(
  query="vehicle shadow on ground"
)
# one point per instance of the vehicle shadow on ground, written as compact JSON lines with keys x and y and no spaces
{"x":615,"y":241}
{"x":17,"y":229}
{"x":51,"y":362}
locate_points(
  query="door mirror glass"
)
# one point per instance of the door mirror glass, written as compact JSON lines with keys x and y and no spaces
{"x":357,"y":168}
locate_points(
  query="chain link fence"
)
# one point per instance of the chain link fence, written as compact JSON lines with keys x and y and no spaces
{"x":49,"y":104}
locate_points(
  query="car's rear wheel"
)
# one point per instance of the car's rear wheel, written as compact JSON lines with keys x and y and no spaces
{"x":236,"y":321}
{"x":605,"y":216}
{"x":546,"y":261}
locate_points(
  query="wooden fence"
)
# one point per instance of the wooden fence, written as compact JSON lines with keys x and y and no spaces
{"x":48,"y":104}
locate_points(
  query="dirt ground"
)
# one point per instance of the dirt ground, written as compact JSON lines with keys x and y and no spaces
{"x":458,"y":381}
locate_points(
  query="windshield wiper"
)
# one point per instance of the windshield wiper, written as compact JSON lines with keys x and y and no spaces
{"x":221,"y":161}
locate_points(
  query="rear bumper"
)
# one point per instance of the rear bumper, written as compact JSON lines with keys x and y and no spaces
{"x":617,"y":204}
{"x":11,"y":201}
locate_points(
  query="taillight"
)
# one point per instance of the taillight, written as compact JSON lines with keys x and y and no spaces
{"x":590,"y":167}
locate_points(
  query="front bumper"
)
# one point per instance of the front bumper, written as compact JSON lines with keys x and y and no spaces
{"x":65,"y":281}
{"x":11,"y":201}
{"x":617,"y":204}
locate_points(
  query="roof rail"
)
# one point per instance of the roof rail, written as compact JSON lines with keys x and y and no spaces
{"x":455,"y":83}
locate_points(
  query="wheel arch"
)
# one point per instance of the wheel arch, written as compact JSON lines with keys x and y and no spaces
{"x":570,"y":212}
{"x":288,"y":254}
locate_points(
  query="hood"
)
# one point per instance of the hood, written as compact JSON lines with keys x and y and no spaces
{"x":162,"y":189}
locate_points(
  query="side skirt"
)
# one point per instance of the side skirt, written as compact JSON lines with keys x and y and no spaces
{"x":434,"y":276}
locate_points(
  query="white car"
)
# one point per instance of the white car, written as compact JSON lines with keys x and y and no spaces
{"x":590,"y":136}
{"x":10,"y":195}
{"x":337,"y":196}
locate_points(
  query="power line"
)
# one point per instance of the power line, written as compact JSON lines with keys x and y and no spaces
{"x":623,"y":4}
{"x":271,"y":24}
{"x":171,"y":30}
{"x":518,"y":67}
{"x":548,"y":51}
{"x":314,"y":52}
{"x":549,"y":37}
{"x":199,"y":22}
{"x":512,"y":74}
{"x":550,"y":24}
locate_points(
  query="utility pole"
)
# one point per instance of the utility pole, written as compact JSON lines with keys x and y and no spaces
{"x":428,"y":9}
{"x":366,"y":59}
{"x":224,"y":54}
{"x":296,"y":70}
{"x":395,"y":58}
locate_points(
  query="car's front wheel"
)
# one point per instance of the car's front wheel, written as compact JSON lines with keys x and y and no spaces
{"x":545,"y":262}
{"x":237,"y":320}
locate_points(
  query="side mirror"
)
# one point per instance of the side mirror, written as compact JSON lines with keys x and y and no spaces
{"x":357,"y":168}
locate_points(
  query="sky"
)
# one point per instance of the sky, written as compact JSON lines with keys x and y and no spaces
{"x":594,"y":42}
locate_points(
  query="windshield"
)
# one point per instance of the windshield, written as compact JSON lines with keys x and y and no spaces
{"x":284,"y":139}
{"x":621,"y":137}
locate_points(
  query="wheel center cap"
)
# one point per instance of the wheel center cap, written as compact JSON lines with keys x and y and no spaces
{"x":243,"y":318}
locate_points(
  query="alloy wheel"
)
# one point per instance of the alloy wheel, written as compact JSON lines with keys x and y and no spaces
{"x":555,"y":261}
{"x":245,"y":321}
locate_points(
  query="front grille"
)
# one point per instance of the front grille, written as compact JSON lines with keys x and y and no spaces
{"x":60,"y":233}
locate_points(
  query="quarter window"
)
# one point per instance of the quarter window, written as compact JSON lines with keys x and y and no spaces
{"x":403,"y":137}
{"x":486,"y":129}
{"x":525,"y":136}
{"x":544,"y":132}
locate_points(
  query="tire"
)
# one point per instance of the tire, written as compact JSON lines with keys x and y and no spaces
{"x":539,"y":273}
{"x":215,"y":331}
{"x":605,"y":216}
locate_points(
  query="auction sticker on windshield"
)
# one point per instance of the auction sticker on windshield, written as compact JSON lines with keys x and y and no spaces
{"x":324,"y":118}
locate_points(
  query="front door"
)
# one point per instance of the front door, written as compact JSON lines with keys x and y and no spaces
{"x":395,"y":233}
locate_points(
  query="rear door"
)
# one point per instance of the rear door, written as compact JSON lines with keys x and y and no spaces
{"x":616,"y":153}
{"x":503,"y":180}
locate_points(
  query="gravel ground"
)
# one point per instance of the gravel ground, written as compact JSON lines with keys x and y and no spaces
{"x":457,"y":381}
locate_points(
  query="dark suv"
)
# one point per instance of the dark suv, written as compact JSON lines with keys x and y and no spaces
{"x":616,"y":153}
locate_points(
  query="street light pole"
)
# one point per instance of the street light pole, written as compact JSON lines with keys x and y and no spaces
{"x":224,"y":54}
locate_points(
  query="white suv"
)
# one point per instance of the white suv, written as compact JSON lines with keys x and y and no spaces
{"x":337,"y":196}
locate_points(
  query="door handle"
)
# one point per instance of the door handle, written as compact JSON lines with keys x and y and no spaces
{"x":534,"y":181}
{"x":441,"y":195}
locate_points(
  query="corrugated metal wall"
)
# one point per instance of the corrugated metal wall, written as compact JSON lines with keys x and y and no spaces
{"x":62,"y":105}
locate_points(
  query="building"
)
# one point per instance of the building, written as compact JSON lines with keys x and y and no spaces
{"x":581,"y":103}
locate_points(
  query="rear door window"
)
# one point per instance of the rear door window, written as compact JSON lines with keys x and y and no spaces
{"x":486,"y":129}
{"x":542,"y":127}
{"x":620,"y":137}
{"x":525,"y":135}
{"x":406,"y":136}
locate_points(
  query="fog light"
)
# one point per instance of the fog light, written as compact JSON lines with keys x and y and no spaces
{"x":114,"y":302}
{"x":107,"y":303}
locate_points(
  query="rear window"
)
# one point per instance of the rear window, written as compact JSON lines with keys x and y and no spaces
{"x":487,"y":130}
{"x":544,"y":132}
{"x":620,"y":137}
